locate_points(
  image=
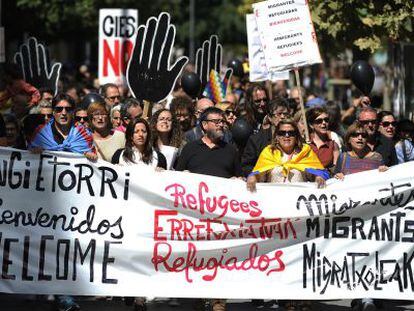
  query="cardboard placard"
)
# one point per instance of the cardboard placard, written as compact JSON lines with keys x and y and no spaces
{"x":117,"y":32}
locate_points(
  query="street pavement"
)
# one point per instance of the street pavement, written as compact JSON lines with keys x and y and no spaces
{"x":20,"y":303}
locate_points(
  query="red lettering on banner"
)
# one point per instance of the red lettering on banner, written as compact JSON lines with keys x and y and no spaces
{"x":203,"y":203}
{"x":183,"y":229}
{"x":116,"y":56}
{"x":194,"y":261}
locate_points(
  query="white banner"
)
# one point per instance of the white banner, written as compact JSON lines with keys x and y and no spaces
{"x":2,"y":46}
{"x":287,"y":34}
{"x":117,"y":31}
{"x":74,"y":227}
{"x":257,"y":63}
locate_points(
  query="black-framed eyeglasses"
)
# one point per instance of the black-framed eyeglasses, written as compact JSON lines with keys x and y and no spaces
{"x":357,"y":134}
{"x":321,"y":120}
{"x":286,"y":133}
{"x":81,"y":119}
{"x":387,"y":123}
{"x":60,"y":109}
{"x":216,"y":121}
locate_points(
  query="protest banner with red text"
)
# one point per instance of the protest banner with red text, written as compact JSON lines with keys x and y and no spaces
{"x":71,"y":226}
{"x":117,"y":32}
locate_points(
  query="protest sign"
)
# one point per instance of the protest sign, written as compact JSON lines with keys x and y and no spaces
{"x":150,"y":74}
{"x":2,"y":48}
{"x":33,"y":60}
{"x":117,"y":31}
{"x":70,"y":226}
{"x":258,"y":69}
{"x":287,"y":34}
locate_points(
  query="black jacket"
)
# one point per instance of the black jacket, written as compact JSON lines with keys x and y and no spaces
{"x":254,"y":147}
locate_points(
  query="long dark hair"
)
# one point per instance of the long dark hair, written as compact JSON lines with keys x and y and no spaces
{"x":129,"y":144}
{"x":175,"y":136}
{"x":299,"y":140}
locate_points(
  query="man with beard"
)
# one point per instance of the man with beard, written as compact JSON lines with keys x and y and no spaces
{"x":210,"y":154}
{"x":258,"y":99}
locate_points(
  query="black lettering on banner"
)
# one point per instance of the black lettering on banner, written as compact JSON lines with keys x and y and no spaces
{"x":66,"y":245}
{"x":39,"y":178}
{"x":312,"y":224}
{"x":72,"y":182}
{"x":86,"y":178}
{"x":14,"y":185}
{"x":55,"y":164}
{"x":25,"y":267}
{"x":107,"y":260}
{"x":108,"y":181}
{"x":26,"y":178}
{"x":126,"y":186}
{"x":42,"y":258}
{"x":130,"y":26}
{"x":6,"y":261}
{"x":82,"y":255}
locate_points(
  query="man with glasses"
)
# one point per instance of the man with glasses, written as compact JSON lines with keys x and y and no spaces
{"x":368,"y":117}
{"x":131,"y":109}
{"x":210,"y":155}
{"x":110,"y":92}
{"x":277,"y":111}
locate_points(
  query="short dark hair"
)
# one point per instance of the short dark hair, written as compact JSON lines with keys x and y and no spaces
{"x":383,"y":114}
{"x":210,"y":110}
{"x":353,"y":128}
{"x":315,"y":112}
{"x":128,"y":103}
{"x":62,"y":96}
{"x":276,"y":103}
{"x":105,"y":87}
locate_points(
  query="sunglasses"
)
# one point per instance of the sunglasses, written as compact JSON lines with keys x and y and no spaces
{"x":258,"y":101}
{"x":60,"y":109}
{"x":47,"y":115}
{"x":387,"y":123}
{"x":286,"y":133}
{"x":357,"y":134}
{"x":366,"y":122}
{"x":229,"y":112}
{"x":321,"y":120}
{"x":112,"y":98}
{"x":81,"y":119}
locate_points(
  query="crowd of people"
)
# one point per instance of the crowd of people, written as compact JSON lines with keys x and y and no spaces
{"x":198,"y":135}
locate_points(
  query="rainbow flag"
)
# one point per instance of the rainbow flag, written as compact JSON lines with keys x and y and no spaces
{"x":215,"y":88}
{"x":305,"y":160}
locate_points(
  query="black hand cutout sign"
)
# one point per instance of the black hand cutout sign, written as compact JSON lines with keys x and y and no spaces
{"x":150,"y":76}
{"x":34,"y":62}
{"x":209,"y":57}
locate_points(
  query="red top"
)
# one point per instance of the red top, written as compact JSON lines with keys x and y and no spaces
{"x":324,"y":152}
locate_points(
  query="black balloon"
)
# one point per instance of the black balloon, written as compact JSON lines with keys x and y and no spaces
{"x":363,"y":76}
{"x":191,"y":84}
{"x":237,"y":67}
{"x":91,"y":98}
{"x":241,"y":131}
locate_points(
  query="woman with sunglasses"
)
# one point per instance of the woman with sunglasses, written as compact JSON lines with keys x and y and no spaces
{"x":106,"y":140}
{"x":287,"y":159}
{"x":321,"y":142}
{"x":387,"y":124}
{"x":359,"y":158}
